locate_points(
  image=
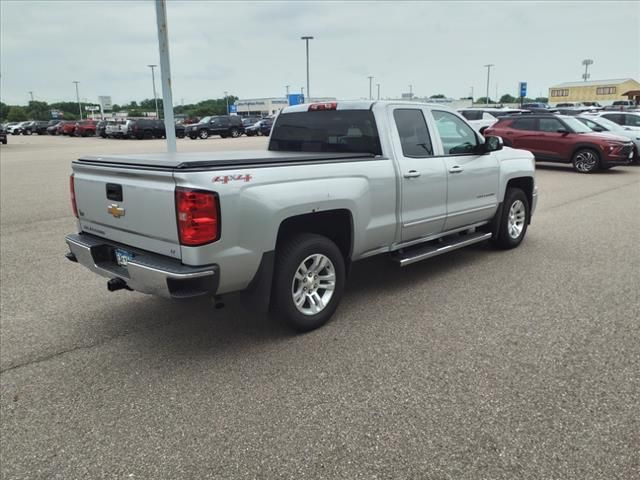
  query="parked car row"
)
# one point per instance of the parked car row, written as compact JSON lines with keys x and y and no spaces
{"x":584,"y":142}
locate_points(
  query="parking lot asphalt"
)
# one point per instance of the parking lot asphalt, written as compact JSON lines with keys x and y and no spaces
{"x":479,"y":364}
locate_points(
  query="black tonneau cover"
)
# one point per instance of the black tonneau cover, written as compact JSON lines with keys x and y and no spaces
{"x":204,"y":160}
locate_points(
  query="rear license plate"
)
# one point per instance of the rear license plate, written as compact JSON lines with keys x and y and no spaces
{"x":123,"y":257}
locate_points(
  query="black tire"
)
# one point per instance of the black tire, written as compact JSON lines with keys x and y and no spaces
{"x":203,"y":134}
{"x":180,"y":135}
{"x":4,"y":141}
{"x":223,"y":135}
{"x":234,"y":132}
{"x":148,"y":134}
{"x":502,"y":238}
{"x":193,"y":137}
{"x":289,"y":258}
{"x":586,"y":160}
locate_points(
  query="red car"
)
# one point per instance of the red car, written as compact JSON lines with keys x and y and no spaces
{"x":66,"y":128}
{"x":564,"y":139}
{"x":86,"y":128}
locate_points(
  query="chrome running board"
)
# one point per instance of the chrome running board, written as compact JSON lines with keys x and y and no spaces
{"x":418,"y":254}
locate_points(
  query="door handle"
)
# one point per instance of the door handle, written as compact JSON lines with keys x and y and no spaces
{"x":412,"y":174}
{"x":456,"y":169}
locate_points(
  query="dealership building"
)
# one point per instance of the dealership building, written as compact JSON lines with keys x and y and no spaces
{"x":602,"y":91}
{"x":263,"y":107}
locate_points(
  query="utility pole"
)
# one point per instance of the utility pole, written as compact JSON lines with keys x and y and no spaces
{"x":31,"y":93}
{"x":471,"y":96}
{"x":378,"y":85}
{"x":488,"y":67}
{"x":306,"y":38}
{"x":287,"y":87}
{"x":78,"y":98}
{"x":153,"y":79}
{"x":226,"y":98}
{"x":302,"y":92}
{"x":411,"y":92}
{"x":370,"y":87}
{"x":586,"y":62}
{"x":165,"y":74}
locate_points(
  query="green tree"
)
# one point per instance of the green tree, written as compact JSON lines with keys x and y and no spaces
{"x":483,"y":100}
{"x":38,"y":110}
{"x":4,"y":111}
{"x":16,"y":114}
{"x":542,"y":99}
{"x":506,"y":98}
{"x":439,"y":95}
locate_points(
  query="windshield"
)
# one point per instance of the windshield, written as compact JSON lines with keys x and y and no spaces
{"x":206,"y":120}
{"x":608,"y":124}
{"x":576,"y":125}
{"x":340,"y":131}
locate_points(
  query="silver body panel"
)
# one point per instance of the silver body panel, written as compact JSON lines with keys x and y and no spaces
{"x":388,"y":210}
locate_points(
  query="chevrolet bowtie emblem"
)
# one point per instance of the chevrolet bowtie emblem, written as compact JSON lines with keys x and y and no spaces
{"x":115,"y":210}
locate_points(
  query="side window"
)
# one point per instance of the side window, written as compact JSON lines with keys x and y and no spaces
{"x":524,"y":124}
{"x":413,"y":132}
{"x":488,"y":116}
{"x":632,"y":120}
{"x":471,"y":114}
{"x":550,"y":125}
{"x":614,"y":117}
{"x":457,"y":137}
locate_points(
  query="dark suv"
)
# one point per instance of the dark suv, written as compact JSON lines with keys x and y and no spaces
{"x":223,"y":125}
{"x":148,"y":128}
{"x":559,"y":138}
{"x":39,"y":127}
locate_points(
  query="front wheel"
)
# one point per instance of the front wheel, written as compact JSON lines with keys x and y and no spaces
{"x":586,"y":160}
{"x":235,"y":133}
{"x":309,"y":280}
{"x":514,"y":219}
{"x":204,"y":134}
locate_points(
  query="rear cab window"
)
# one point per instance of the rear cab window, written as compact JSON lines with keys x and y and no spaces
{"x":413,"y":132}
{"x":331,"y":131}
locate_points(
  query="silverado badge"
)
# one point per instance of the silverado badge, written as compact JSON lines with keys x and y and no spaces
{"x":115,"y":210}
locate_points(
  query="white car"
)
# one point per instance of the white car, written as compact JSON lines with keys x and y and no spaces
{"x":16,"y":128}
{"x":599,"y":123}
{"x":628,"y":120}
{"x":481,"y":118}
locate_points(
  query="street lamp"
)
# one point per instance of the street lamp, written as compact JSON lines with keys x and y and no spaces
{"x":31,"y":93}
{"x":488,"y":67}
{"x":78,"y":98}
{"x":226,"y":98}
{"x":306,"y":38}
{"x":153,"y":79}
{"x":586,"y":62}
{"x":370,"y":87}
{"x":378,"y":85}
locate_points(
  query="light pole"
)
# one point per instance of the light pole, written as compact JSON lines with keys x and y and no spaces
{"x":488,"y":67}
{"x":586,"y":62}
{"x":302,"y":91}
{"x":306,"y":38}
{"x":153,"y":79}
{"x":411,"y":91}
{"x":287,"y":87}
{"x":378,"y":85}
{"x":370,"y":87}
{"x":226,"y":98}
{"x":165,"y":74}
{"x":31,"y":93}
{"x":78,"y":98}
{"x":471,"y":96}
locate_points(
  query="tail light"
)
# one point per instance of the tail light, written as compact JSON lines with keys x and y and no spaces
{"x":72,"y":193}
{"x":314,"y":107}
{"x":198,"y":215}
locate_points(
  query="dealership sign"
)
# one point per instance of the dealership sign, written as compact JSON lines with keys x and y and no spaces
{"x":105,"y":102}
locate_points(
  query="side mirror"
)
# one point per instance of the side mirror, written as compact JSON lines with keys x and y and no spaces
{"x":598,"y":129}
{"x":563,"y":131}
{"x":493,"y":143}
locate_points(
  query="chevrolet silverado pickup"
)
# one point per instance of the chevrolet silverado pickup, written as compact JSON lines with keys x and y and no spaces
{"x":339,"y":182}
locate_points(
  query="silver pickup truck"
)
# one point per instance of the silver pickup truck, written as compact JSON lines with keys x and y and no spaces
{"x":340,"y":181}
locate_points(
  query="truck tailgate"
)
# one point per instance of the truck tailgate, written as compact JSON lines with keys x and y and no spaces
{"x":128,"y":206}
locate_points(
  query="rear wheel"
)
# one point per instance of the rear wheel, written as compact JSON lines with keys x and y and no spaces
{"x":586,"y":160}
{"x":309,"y":280}
{"x":204,"y":134}
{"x":235,"y":133}
{"x":180,"y":135}
{"x":514,"y":219}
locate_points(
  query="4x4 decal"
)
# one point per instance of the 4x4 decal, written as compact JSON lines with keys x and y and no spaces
{"x":247,"y":177}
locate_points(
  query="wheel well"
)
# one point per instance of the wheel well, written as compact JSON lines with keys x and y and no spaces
{"x":587,"y":147}
{"x":336,"y":225}
{"x":525,"y":184}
